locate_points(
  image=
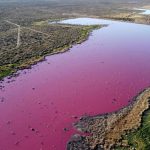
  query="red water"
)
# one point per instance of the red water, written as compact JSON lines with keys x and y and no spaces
{"x":100,"y":75}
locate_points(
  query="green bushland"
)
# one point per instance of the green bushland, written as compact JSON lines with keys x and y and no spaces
{"x":86,"y":30}
{"x":139,"y":139}
{"x":7,"y":70}
{"x":35,"y":46}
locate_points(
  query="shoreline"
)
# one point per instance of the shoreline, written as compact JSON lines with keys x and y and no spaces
{"x":27,"y":65}
{"x":60,"y":50}
{"x":112,"y":19}
{"x":106,"y":130}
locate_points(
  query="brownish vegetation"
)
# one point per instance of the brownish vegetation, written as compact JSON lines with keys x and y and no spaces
{"x":106,"y":131}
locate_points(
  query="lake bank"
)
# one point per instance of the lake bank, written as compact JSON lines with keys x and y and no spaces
{"x":106,"y":131}
{"x":99,"y":76}
{"x":27,"y":54}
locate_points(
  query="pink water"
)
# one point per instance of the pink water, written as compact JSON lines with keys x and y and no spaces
{"x":100,"y":75}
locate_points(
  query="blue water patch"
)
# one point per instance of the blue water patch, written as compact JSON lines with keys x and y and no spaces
{"x":144,"y":11}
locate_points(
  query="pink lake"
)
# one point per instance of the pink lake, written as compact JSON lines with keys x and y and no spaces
{"x":101,"y":75}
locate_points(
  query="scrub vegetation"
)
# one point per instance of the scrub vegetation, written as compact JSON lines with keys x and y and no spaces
{"x":36,"y":42}
{"x":139,"y":139}
{"x":122,"y":130}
